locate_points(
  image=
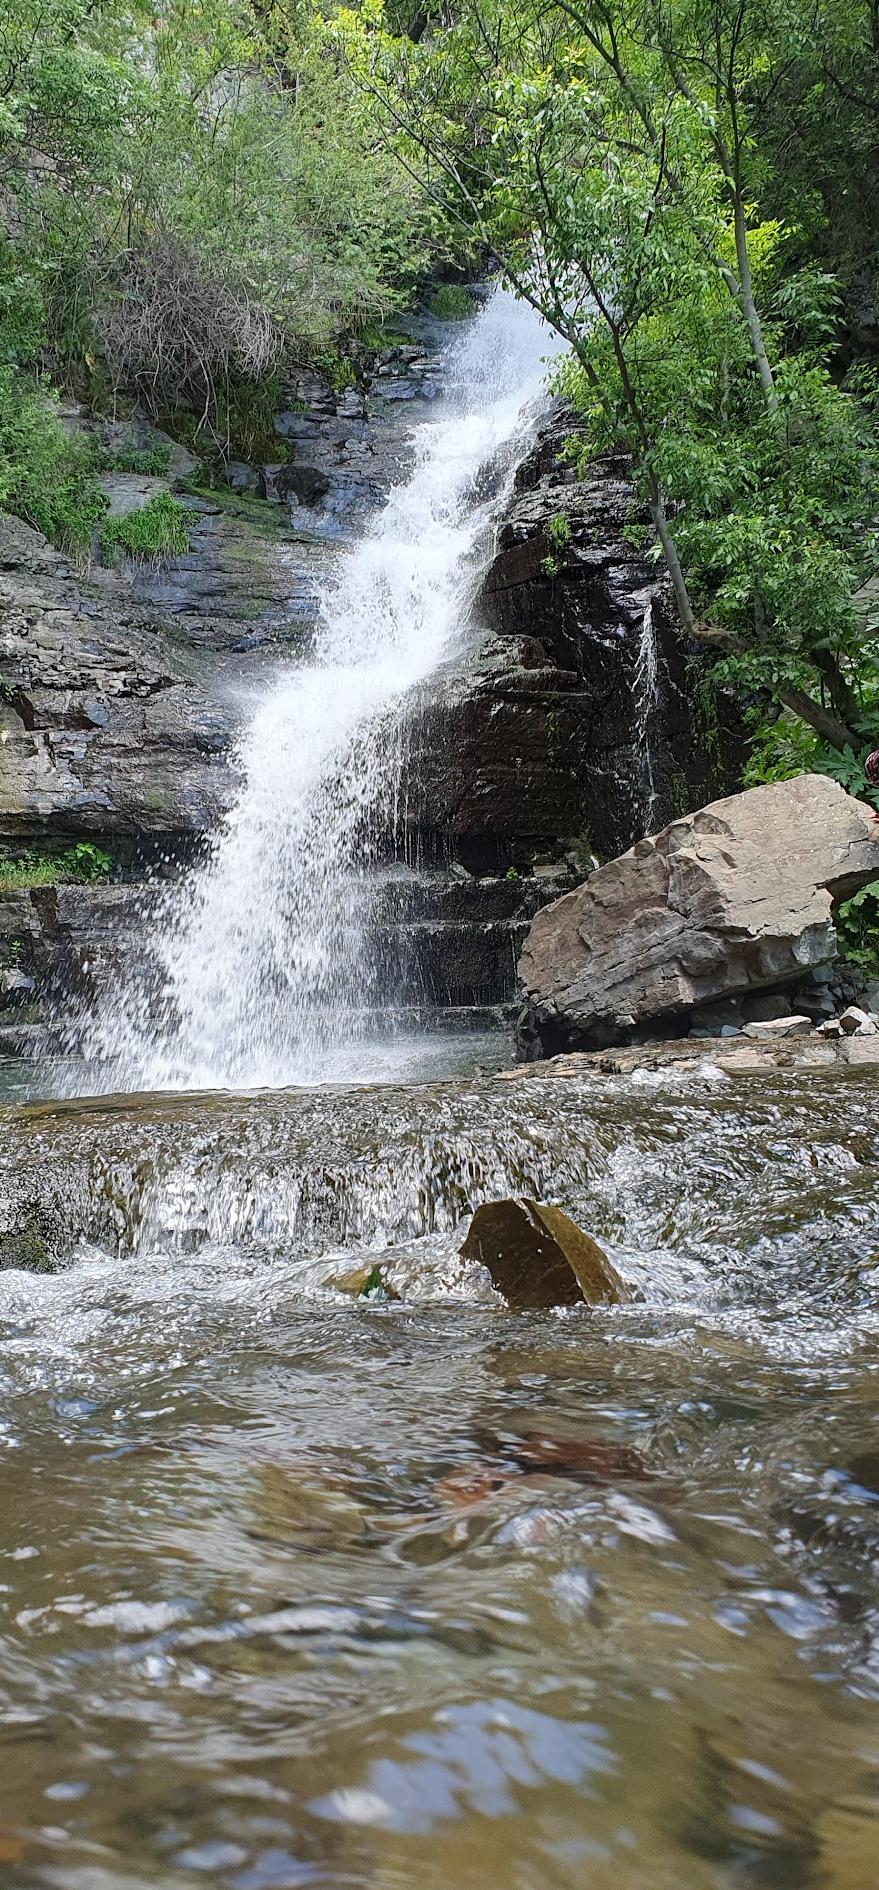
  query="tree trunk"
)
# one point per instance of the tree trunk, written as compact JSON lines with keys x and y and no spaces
{"x":822,"y":720}
{"x":748,"y":307}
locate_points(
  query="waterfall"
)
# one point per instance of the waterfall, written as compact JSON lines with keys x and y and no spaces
{"x":260,"y":953}
{"x":645,"y":693}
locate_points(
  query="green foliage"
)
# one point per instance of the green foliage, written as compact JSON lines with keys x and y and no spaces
{"x":245,"y":425}
{"x":848,"y":768}
{"x":857,"y":928}
{"x":617,"y":160}
{"x":336,"y":368}
{"x":558,"y":531}
{"x":78,"y":865}
{"x":46,"y":477}
{"x":149,"y":461}
{"x":451,"y":302}
{"x":189,"y":193}
{"x":155,"y":530}
{"x":780,"y":751}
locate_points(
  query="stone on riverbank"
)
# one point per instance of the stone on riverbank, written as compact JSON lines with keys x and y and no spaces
{"x":539,"y":1258}
{"x":738,"y":897}
{"x":856,"y":1022}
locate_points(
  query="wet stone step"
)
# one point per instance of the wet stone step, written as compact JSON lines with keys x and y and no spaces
{"x":447,"y":964}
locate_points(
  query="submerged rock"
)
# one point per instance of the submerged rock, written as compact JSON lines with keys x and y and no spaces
{"x":538,"y":1257}
{"x":26,"y":1250}
{"x":735,"y":898}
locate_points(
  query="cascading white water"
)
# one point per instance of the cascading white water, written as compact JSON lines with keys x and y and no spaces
{"x":261,"y":951}
{"x":646,"y":691}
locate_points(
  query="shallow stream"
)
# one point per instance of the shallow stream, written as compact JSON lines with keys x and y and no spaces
{"x":304,"y":1589}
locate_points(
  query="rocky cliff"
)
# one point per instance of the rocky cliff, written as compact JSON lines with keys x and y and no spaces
{"x":560,"y":727}
{"x":568,"y":720}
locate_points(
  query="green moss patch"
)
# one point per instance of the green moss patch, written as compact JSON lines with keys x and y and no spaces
{"x":156,"y":530}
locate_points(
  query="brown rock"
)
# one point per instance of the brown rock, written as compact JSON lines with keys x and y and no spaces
{"x":538,"y":1257}
{"x":735,"y":898}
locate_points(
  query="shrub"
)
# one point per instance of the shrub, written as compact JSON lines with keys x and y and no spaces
{"x":178,"y":330}
{"x":451,"y":302}
{"x":150,"y":461}
{"x":336,"y":368}
{"x":857,"y":928}
{"x":46,"y":477}
{"x":155,"y":530}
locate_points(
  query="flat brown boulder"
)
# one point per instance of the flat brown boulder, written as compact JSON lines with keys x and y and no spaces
{"x":738,"y":897}
{"x":538,"y":1257}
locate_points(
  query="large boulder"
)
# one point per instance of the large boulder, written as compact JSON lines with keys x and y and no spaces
{"x":735,"y":898}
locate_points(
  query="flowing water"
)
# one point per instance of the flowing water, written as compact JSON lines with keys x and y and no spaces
{"x":646,"y":695}
{"x":320,"y":1568}
{"x":304,"y":1589}
{"x":260,"y":958}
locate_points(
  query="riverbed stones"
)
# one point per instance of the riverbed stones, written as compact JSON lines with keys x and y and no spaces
{"x":737,"y":897}
{"x":539,"y":1258}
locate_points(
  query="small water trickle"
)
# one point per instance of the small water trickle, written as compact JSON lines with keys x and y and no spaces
{"x":646,"y":696}
{"x":261,"y":955}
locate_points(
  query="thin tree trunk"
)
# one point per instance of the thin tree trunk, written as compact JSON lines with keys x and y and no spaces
{"x":670,"y":552}
{"x":749,"y":307}
{"x":842,"y":695}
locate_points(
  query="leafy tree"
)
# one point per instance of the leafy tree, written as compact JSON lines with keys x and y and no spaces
{"x":607,"y":152}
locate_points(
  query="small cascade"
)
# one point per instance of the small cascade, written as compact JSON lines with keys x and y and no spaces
{"x":264,"y":972}
{"x":646,"y":702}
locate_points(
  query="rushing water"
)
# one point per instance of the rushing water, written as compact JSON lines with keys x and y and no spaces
{"x":262,"y":974}
{"x":288,"y":1594}
{"x":302,"y":1586}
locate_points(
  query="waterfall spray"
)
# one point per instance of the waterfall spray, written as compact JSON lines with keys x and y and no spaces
{"x":261,"y":953}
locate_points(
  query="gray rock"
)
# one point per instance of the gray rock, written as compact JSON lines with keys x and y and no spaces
{"x":772,"y":1029}
{"x":856,"y":1022}
{"x":541,"y":730}
{"x":762,"y":1007}
{"x":103,"y":732}
{"x":241,"y":476}
{"x":735,"y":898}
{"x":130,"y":492}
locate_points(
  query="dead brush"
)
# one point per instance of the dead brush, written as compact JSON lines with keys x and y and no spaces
{"x":177,"y":332}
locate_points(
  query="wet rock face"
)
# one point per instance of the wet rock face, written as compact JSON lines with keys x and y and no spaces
{"x":347,"y":446}
{"x":570,"y":714}
{"x":735,"y":898}
{"x":103,"y":731}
